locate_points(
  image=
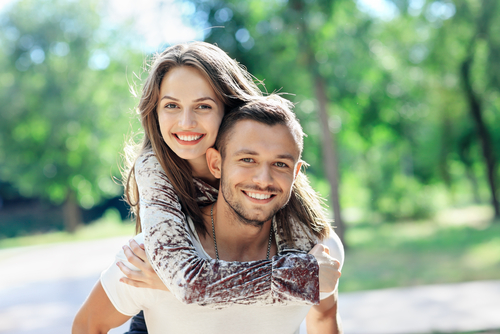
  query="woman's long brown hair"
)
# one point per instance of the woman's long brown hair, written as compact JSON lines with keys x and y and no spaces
{"x":234,"y":86}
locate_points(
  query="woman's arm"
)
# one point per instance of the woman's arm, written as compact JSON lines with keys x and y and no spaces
{"x":292,"y":278}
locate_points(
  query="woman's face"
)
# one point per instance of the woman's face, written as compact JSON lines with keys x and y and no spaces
{"x":189,"y":112}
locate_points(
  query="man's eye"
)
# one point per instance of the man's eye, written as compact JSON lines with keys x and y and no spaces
{"x":281,"y":164}
{"x":247,"y":160}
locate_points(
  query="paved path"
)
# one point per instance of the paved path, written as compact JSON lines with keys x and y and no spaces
{"x":42,"y":287}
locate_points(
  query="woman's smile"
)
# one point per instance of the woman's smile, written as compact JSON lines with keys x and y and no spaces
{"x":189,"y":113}
{"x":189,"y":138}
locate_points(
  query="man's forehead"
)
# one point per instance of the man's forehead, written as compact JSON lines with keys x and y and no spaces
{"x":256,"y":138}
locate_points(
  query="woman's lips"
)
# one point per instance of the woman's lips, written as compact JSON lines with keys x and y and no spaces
{"x":188,"y":138}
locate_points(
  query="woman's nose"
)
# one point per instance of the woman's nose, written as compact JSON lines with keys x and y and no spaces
{"x":187,"y":119}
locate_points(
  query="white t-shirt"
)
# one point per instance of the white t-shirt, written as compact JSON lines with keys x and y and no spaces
{"x":165,"y":314}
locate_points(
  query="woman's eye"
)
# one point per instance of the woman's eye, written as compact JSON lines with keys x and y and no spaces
{"x":170,"y":106}
{"x":205,"y":106}
{"x":247,"y":160}
{"x":281,"y":164}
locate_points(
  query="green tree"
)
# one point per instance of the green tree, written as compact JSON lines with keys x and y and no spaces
{"x":66,"y":103}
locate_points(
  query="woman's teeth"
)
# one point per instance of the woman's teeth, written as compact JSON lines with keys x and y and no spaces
{"x":259,"y":196}
{"x":189,"y":138}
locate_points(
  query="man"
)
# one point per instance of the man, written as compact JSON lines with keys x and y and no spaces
{"x":257,"y":161}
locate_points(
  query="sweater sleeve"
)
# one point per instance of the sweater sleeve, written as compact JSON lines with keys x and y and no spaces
{"x":284,"y":280}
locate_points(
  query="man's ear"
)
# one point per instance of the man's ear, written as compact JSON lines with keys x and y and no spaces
{"x":297,"y":169}
{"x":214,"y":161}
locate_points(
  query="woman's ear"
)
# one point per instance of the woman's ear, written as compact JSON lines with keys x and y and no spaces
{"x":214,"y":162}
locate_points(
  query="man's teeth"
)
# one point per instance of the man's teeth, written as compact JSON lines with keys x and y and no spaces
{"x":189,"y":138}
{"x":259,"y":196}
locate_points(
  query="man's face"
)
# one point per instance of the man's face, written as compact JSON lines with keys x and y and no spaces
{"x":258,"y":170}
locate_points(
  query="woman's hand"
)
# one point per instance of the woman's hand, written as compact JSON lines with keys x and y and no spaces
{"x":329,"y":272}
{"x":146,"y":277}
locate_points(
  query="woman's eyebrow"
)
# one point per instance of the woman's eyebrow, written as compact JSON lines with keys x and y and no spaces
{"x":197,"y":100}
{"x":204,"y":98}
{"x":169,"y":98}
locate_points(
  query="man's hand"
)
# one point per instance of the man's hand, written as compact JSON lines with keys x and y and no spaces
{"x":329,"y":272}
{"x":146,"y":277}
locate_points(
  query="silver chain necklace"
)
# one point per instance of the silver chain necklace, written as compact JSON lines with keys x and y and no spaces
{"x":215,"y":240}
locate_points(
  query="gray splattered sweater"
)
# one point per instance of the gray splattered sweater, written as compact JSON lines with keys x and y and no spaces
{"x":289,"y":278}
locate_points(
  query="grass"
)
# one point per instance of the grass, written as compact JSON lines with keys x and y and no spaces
{"x":110,"y":225}
{"x":417,"y":253}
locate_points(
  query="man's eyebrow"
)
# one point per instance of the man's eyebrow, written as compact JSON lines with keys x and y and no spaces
{"x":285,"y":156}
{"x":246,"y":151}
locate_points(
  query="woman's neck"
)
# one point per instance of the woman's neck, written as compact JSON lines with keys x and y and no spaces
{"x":200,"y":170}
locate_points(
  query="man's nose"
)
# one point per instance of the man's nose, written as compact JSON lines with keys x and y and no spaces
{"x":187,"y":119}
{"x":263,"y":176}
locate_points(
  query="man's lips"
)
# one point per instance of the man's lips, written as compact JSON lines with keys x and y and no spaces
{"x":188,"y":138}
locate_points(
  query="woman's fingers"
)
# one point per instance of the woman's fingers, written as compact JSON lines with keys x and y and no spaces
{"x":329,"y":272}
{"x":139,"y":253}
{"x":145,"y":277}
{"x":133,"y":258}
{"x":132,"y":274}
{"x":137,"y":284}
{"x":138,"y":250}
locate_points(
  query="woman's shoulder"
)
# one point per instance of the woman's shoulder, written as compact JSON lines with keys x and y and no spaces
{"x":147,"y":162}
{"x":146,"y":158}
{"x":148,"y":167}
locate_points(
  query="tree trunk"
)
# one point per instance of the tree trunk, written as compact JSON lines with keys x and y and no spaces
{"x":469,"y":172}
{"x":475,"y":109}
{"x":72,"y":213}
{"x":330,"y":161}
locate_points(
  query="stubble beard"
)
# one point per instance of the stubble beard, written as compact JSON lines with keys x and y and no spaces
{"x":237,"y":209}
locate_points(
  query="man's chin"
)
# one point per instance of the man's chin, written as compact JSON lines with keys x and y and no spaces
{"x":255,"y":220}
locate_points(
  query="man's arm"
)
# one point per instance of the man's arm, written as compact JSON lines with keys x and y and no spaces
{"x":324,"y":318}
{"x":97,"y":315}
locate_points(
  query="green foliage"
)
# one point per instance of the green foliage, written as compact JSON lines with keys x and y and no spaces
{"x":406,"y":142}
{"x":405,"y":138}
{"x":66,"y":101}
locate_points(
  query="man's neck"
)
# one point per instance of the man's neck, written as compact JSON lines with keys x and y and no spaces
{"x":236,"y":241}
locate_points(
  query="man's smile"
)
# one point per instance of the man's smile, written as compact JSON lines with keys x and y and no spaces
{"x":257,"y":197}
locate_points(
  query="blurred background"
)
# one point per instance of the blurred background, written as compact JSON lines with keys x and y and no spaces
{"x":400,"y":100}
